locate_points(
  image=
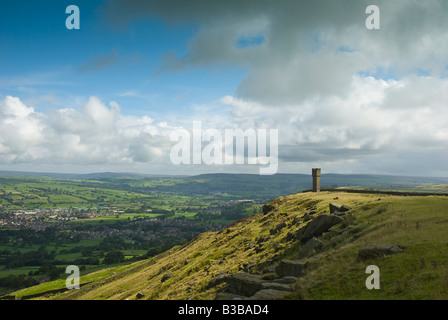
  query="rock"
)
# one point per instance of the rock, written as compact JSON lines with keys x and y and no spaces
{"x":140,"y":295}
{"x":166,"y":277}
{"x":336,"y":207}
{"x":267,"y":208}
{"x":244,"y":284}
{"x":260,"y":240}
{"x":220,"y":278}
{"x":352,"y":230}
{"x":229,"y":296}
{"x":375,"y":250}
{"x":276,"y":286}
{"x":317,"y":226}
{"x":269,"y":294}
{"x":310,"y":248}
{"x":277,"y":228}
{"x":286,"y":280}
{"x":307,"y":217}
{"x":294,"y":268}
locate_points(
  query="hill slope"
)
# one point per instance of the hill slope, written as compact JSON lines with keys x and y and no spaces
{"x":251,"y":252}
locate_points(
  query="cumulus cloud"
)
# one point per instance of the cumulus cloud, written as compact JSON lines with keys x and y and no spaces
{"x":96,"y":134}
{"x":309,"y":48}
{"x":391,"y":121}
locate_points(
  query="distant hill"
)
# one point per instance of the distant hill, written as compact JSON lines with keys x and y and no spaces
{"x":79,"y":176}
{"x":243,"y":186}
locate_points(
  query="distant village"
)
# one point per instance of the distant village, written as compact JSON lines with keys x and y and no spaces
{"x":62,"y":219}
{"x":31,"y":218}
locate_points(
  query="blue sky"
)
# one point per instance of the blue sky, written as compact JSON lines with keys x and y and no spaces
{"x":108,"y":96}
{"x":40,"y":56}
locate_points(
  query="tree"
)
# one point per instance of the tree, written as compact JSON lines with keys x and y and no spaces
{"x":115,"y":256}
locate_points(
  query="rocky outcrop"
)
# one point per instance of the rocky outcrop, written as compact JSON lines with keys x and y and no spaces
{"x":269,"y":294}
{"x":267,"y":208}
{"x":375,"y":250}
{"x":317,"y":226}
{"x":166,"y":277}
{"x":336,"y":207}
{"x":311,"y":247}
{"x":277,"y":228}
{"x":291,"y":268}
{"x":244,"y":284}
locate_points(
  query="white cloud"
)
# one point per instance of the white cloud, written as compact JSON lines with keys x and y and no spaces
{"x":98,"y":134}
{"x":383,"y":120}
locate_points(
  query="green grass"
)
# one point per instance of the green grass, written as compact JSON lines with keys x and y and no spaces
{"x":417,"y":223}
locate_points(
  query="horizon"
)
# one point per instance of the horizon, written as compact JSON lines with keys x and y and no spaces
{"x":349,"y":90}
{"x":149,"y":175}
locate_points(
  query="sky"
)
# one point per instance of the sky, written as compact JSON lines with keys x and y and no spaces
{"x":107,"y":96}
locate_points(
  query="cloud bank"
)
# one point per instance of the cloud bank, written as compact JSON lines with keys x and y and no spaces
{"x":96,"y":134}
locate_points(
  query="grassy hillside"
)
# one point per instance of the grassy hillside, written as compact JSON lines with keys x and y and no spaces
{"x":257,"y":244}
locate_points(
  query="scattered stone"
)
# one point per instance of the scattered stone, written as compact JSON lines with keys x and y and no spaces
{"x":267,"y":208}
{"x":317,"y":226}
{"x":229,"y":296}
{"x":375,"y":250}
{"x":260,"y":239}
{"x":286,"y":280}
{"x":269,"y":294}
{"x":244,"y":284}
{"x":276,"y":286}
{"x":336,"y":207}
{"x":310,"y":248}
{"x":166,"y":277}
{"x":296,"y":220}
{"x":294,"y":268}
{"x":307,"y":217}
{"x":352,"y":230}
{"x":277,"y":228}
{"x":269,"y":276}
{"x":220,"y":278}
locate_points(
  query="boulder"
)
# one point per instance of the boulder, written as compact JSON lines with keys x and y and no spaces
{"x":277,"y":228}
{"x":220,"y":278}
{"x":294,"y":268}
{"x":244,"y":284}
{"x":317,"y":226}
{"x":375,"y":250}
{"x":267,"y":208}
{"x":276,"y":286}
{"x":269,"y":294}
{"x":166,"y":277}
{"x":229,"y":296}
{"x":286,"y":280}
{"x":310,"y":248}
{"x":336,"y":207}
{"x":140,"y":295}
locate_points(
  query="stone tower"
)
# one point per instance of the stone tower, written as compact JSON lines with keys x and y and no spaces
{"x":316,"y":179}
